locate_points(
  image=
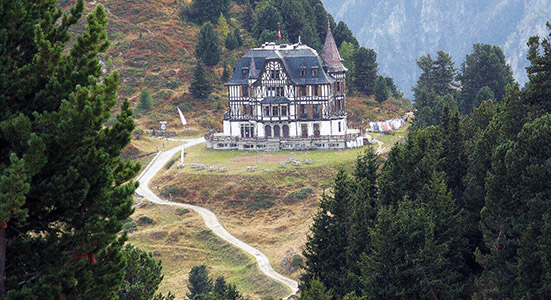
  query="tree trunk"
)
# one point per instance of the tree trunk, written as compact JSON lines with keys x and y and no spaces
{"x":3,"y":243}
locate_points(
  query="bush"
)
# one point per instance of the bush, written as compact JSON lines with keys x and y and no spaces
{"x":130,"y":226}
{"x":260,"y":204}
{"x":170,"y":163}
{"x":181,"y":211}
{"x":297,"y":262}
{"x":300,"y":195}
{"x":145,"y":220}
{"x":173,"y":190}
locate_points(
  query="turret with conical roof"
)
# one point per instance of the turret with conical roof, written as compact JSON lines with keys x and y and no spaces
{"x":330,"y":54}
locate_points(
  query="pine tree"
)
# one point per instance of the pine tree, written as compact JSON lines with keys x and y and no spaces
{"x":220,"y":287}
{"x":267,"y":18}
{"x":364,"y":212}
{"x":68,"y":189}
{"x":410,"y":250}
{"x":484,"y":94}
{"x":365,"y":62}
{"x":143,"y":274}
{"x":539,"y":72}
{"x":320,"y":21}
{"x":437,"y":75}
{"x":199,"y":282}
{"x":410,"y":166}
{"x":316,"y":291}
{"x":248,"y":19}
{"x":202,"y":11}
{"x":294,"y":18}
{"x":309,"y":37}
{"x":200,"y":87}
{"x":226,"y":74}
{"x":513,"y":217}
{"x":343,"y":34}
{"x":505,"y":124}
{"x":222,"y":25}
{"x":231,"y":42}
{"x":325,"y":250}
{"x":146,"y":102}
{"x":485,"y":66}
{"x":237,"y":35}
{"x":207,"y":48}
{"x":393,"y":88}
{"x":381,"y":91}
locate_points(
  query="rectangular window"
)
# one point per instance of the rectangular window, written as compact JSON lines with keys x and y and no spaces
{"x":271,"y":91}
{"x":303,"y":111}
{"x":302,"y":72}
{"x":314,"y":72}
{"x":284,"y":111}
{"x":302,"y":90}
{"x":279,"y":91}
{"x":245,"y":91}
{"x":275,"y":111}
{"x":338,"y":86}
{"x":247,"y":130}
{"x":266,"y":111}
{"x":316,"y":110}
{"x":340,"y":127}
{"x":316,"y":90}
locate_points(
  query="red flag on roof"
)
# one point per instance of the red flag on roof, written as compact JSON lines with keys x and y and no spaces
{"x":278,"y":33}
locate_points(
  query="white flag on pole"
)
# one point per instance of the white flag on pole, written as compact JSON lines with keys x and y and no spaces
{"x":184,"y":123}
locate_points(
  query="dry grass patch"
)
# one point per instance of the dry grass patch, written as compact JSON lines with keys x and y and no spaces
{"x":180,"y":239}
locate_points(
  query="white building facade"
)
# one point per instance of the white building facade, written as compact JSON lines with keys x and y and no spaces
{"x":287,"y":97}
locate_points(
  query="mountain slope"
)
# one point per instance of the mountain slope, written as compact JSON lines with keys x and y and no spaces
{"x":401,"y":31}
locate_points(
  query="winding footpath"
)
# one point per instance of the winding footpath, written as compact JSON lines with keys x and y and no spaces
{"x":210,"y":219}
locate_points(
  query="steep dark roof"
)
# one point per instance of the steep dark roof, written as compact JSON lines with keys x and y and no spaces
{"x":330,"y":53}
{"x":294,"y":58}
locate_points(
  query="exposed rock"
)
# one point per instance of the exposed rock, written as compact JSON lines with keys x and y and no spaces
{"x":286,"y":265}
{"x":400,"y":31}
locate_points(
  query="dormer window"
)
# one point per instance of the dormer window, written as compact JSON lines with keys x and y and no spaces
{"x":302,"y":71}
{"x":245,"y":72}
{"x":314,"y":72}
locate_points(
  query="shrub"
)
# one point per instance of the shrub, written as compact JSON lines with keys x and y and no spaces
{"x":145,"y":220}
{"x":297,"y":262}
{"x":130,"y":226}
{"x":260,"y":204}
{"x":300,"y":195}
{"x":181,"y":211}
{"x":170,"y":163}
{"x":173,"y":190}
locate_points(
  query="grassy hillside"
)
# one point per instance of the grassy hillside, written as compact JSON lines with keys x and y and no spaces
{"x":152,"y":46}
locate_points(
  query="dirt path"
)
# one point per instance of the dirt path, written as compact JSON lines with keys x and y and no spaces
{"x":210,"y":219}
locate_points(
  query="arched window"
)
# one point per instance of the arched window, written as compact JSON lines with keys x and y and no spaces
{"x":268,"y":131}
{"x":285,"y":131}
{"x":276,"y":130}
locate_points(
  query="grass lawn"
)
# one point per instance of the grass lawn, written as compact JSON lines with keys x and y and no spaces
{"x":236,"y":162}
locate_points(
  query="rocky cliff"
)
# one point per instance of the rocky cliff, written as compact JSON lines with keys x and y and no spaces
{"x":402,"y":30}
